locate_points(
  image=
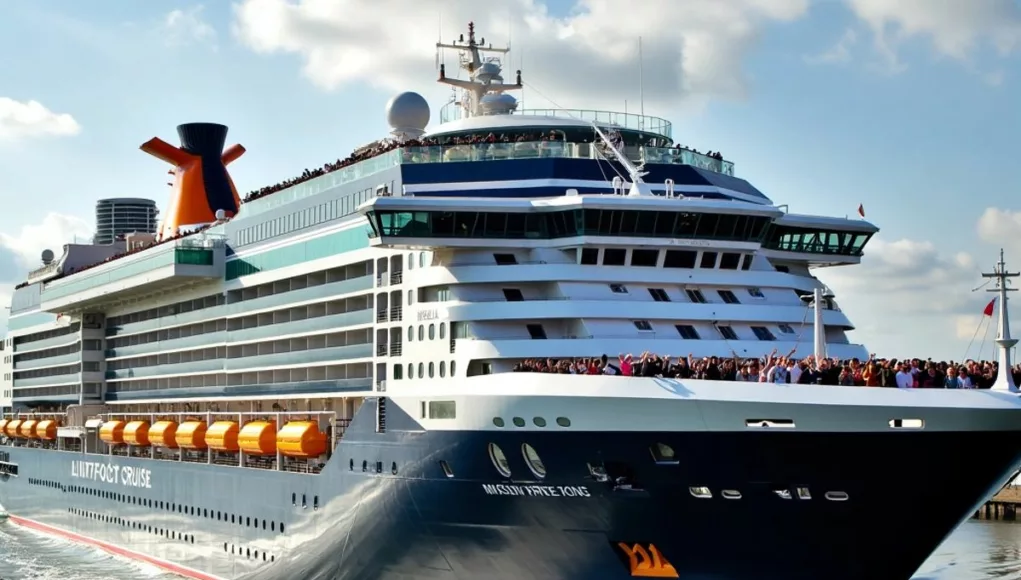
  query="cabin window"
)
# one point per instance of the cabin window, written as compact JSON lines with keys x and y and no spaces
{"x":442,"y":409}
{"x":644,"y":258}
{"x":533,"y":460}
{"x":614,"y":256}
{"x":499,"y":460}
{"x":446,"y":468}
{"x":708,"y":260}
{"x":687,"y":332}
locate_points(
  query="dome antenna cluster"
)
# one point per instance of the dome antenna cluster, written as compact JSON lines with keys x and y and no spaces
{"x":485,"y":92}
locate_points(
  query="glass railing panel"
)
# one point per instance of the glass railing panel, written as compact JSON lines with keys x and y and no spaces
{"x":198,"y":340}
{"x":64,"y":359}
{"x":675,"y":156}
{"x":197,"y":366}
{"x":305,"y":294}
{"x":336,"y":321}
{"x":51,"y":380}
{"x":338,"y":353}
{"x":631,"y":121}
{"x":64,"y":340}
{"x":320,"y":184}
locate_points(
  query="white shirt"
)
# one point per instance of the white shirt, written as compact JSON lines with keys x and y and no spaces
{"x":905,"y":380}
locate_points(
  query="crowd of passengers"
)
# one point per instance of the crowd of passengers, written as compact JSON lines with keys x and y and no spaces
{"x":177,"y":235}
{"x":387,"y":145}
{"x":775,"y":368}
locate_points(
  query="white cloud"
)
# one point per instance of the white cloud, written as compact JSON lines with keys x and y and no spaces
{"x":955,"y":28}
{"x":23,"y":119}
{"x":51,"y":234}
{"x":184,"y":27}
{"x":838,"y":53}
{"x":691,"y":49}
{"x":907,"y":299}
{"x":1000,"y":227}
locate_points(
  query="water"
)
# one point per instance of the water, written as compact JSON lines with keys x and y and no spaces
{"x":979,"y":550}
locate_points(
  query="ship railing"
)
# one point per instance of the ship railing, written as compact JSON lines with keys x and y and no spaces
{"x":396,"y":277}
{"x":381,"y":350}
{"x":396,"y":313}
{"x":649,"y":124}
{"x":396,"y":348}
{"x":492,"y":263}
{"x":381,"y":315}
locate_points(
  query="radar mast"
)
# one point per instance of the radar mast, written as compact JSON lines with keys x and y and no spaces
{"x":485,"y":92}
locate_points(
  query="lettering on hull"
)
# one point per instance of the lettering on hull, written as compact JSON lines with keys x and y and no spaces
{"x":536,"y":490}
{"x":646,"y":561}
{"x":125,"y":475}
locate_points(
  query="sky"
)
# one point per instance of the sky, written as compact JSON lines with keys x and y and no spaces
{"x":909,"y":108}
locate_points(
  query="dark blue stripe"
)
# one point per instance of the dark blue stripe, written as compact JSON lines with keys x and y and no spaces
{"x":578,"y":169}
{"x":547,"y":191}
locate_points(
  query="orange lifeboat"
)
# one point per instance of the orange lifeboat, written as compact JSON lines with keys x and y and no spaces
{"x":223,"y":436}
{"x":27,"y":429}
{"x":46,"y":429}
{"x":112,"y":432}
{"x":258,"y":438}
{"x":164,"y":434}
{"x":301,"y":439}
{"x":137,"y":433}
{"x":3,"y":425}
{"x":191,"y":435}
{"x":12,"y":428}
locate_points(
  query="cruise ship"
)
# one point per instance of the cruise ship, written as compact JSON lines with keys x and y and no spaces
{"x":321,"y":380}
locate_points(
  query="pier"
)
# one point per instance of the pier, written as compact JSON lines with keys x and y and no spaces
{"x":1002,"y":506}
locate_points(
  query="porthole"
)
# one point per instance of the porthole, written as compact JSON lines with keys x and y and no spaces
{"x":446,"y":468}
{"x":518,"y":422}
{"x":700,"y":492}
{"x":532,"y":459}
{"x":281,"y":527}
{"x":836,"y":496}
{"x":804,"y":493}
{"x":731,"y":494}
{"x":563,"y":421}
{"x":432,"y":369}
{"x":432,"y":331}
{"x":498,"y":421}
{"x":421,"y":370}
{"x":351,"y":464}
{"x":443,"y":368}
{"x":365,"y":466}
{"x":421,"y":332}
{"x":411,"y":371}
{"x":443,"y":330}
{"x":499,"y":460}
{"x":539,"y":421}
{"x":411,"y":333}
{"x":393,"y":468}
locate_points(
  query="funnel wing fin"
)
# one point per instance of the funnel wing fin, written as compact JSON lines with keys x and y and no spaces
{"x":232,"y":153}
{"x":160,"y":149}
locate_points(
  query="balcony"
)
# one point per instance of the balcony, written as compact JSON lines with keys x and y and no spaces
{"x":167,"y":266}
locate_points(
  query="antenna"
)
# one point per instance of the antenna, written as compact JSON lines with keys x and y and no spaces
{"x":1004,"y":375}
{"x":641,"y":86}
{"x":638,"y":187}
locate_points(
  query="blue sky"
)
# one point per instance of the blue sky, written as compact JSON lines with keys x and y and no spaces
{"x":908,"y":107}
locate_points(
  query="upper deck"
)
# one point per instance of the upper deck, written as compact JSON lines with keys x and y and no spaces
{"x":177,"y":263}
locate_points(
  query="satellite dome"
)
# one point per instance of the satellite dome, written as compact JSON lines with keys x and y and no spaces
{"x":407,"y":114}
{"x":47,"y":257}
{"x":498,"y":104}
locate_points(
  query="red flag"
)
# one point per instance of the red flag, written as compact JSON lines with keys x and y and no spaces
{"x":861,"y":210}
{"x":989,"y":308}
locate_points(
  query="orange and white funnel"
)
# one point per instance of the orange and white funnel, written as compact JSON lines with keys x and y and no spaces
{"x":202,"y":184}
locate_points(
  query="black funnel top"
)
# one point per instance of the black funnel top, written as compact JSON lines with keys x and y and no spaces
{"x":205,"y":139}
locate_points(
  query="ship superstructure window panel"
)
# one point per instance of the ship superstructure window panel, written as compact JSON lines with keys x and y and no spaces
{"x":763,"y":333}
{"x":643,"y":325}
{"x":614,"y":256}
{"x":726,"y":332}
{"x":644,"y":258}
{"x":659,"y":295}
{"x":687,"y":331}
{"x":569,"y":223}
{"x":728,"y":296}
{"x":685,"y":259}
{"x":695,"y":296}
{"x":815,"y":240}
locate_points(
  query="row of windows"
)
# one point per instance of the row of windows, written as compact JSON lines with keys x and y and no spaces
{"x":568,"y":223}
{"x":26,"y":340}
{"x":220,"y":516}
{"x":649,"y":258}
{"x":688,"y":332}
{"x":157,"y":531}
{"x":432,"y":370}
{"x":248,"y":553}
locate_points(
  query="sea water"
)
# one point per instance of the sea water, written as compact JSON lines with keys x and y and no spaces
{"x":979,"y":550}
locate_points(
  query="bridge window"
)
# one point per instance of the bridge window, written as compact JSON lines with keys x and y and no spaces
{"x":614,"y":256}
{"x":815,"y":240}
{"x":569,"y":223}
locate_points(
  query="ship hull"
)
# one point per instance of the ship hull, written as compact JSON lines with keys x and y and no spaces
{"x":384,"y":508}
